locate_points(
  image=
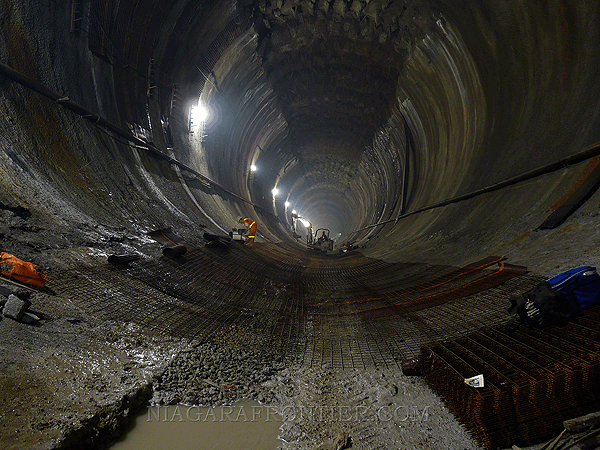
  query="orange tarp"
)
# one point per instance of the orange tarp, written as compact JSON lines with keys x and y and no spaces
{"x":22,"y":271}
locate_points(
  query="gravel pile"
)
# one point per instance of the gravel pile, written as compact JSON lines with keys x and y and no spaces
{"x":208,"y":374}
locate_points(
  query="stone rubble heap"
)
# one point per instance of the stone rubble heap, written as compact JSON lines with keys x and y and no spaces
{"x":210,"y":374}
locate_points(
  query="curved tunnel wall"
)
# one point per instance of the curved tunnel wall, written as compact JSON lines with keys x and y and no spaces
{"x":323,"y":97}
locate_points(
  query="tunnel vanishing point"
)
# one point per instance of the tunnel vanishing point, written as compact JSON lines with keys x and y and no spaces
{"x":432,"y":134}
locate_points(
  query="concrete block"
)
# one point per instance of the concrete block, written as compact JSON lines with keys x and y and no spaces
{"x":15,"y":307}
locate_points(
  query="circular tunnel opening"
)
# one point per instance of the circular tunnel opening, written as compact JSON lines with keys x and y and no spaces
{"x":401,"y":126}
{"x":356,"y":115}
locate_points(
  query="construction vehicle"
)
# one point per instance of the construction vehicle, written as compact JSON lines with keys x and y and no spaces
{"x":314,"y":241}
{"x":321,"y":241}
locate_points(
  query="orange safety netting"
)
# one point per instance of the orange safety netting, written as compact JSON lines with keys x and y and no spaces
{"x":20,"y":270}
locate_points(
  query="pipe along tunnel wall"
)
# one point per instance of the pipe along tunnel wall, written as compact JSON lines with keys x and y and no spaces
{"x":358,"y":112}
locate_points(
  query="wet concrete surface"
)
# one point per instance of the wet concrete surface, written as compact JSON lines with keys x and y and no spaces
{"x":376,"y":408}
{"x":73,"y":380}
{"x":76,"y":380}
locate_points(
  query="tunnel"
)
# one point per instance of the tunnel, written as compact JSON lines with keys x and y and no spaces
{"x":450,"y":149}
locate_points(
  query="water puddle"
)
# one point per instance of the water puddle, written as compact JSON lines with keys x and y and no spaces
{"x":246,"y":424}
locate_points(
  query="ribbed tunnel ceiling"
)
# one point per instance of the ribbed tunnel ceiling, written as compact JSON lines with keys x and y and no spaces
{"x":326,"y":84}
{"x":335,"y":78}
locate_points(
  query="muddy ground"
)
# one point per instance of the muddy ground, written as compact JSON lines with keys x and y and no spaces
{"x":75,"y":380}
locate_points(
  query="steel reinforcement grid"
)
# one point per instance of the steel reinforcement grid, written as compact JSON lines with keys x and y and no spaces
{"x":534,"y":379}
{"x":350,"y":311}
{"x":345,"y":311}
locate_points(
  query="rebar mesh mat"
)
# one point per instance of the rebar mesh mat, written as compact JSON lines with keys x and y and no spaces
{"x":533,"y":379}
{"x":266,"y":299}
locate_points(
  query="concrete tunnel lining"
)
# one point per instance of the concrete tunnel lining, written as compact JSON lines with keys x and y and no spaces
{"x":320,"y":97}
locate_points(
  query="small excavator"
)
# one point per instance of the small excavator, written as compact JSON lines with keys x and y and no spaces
{"x":321,"y":242}
{"x":313,"y":241}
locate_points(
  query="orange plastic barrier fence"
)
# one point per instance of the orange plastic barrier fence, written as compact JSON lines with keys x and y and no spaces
{"x":20,"y":270}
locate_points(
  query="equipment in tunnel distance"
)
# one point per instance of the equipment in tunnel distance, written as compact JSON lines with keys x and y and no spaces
{"x":319,"y":240}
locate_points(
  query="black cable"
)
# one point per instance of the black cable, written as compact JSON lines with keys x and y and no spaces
{"x":99,"y":121}
{"x":586,"y":154}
